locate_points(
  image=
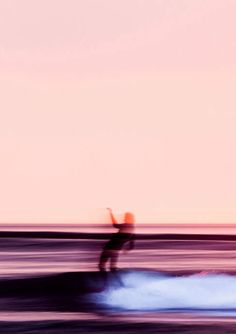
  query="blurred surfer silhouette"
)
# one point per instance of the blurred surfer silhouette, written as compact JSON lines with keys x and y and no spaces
{"x":125,"y":235}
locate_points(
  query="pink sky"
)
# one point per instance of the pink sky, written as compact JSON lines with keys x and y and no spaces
{"x":129,"y":104}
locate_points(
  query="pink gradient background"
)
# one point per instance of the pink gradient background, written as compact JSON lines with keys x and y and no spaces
{"x":129,"y":104}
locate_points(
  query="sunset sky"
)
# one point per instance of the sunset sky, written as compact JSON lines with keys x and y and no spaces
{"x":128,"y":104}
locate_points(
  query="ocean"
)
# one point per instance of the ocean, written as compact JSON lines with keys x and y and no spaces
{"x":176,"y":280}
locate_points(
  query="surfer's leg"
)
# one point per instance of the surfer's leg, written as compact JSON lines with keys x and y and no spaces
{"x":114,"y":259}
{"x":103,"y":259}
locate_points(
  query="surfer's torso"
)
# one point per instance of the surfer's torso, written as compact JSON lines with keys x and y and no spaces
{"x":125,"y":234}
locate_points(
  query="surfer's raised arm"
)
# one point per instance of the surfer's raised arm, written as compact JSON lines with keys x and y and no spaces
{"x":114,"y":221}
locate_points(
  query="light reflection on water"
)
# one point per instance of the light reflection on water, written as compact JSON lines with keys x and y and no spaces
{"x":30,"y":256}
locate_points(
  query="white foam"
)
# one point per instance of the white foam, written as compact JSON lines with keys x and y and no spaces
{"x":145,"y":292}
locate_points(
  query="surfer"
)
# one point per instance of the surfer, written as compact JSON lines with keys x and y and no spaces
{"x":125,"y":235}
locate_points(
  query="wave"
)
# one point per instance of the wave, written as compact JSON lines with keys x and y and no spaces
{"x":152,"y":291}
{"x":125,"y":290}
{"x":53,"y":292}
{"x":54,"y":284}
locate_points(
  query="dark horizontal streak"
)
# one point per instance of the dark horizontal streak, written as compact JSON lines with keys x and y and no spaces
{"x":104,"y":236}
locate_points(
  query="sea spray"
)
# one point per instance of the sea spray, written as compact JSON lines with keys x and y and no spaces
{"x":145,"y":291}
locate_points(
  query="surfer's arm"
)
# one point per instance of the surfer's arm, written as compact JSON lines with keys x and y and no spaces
{"x":114,"y":221}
